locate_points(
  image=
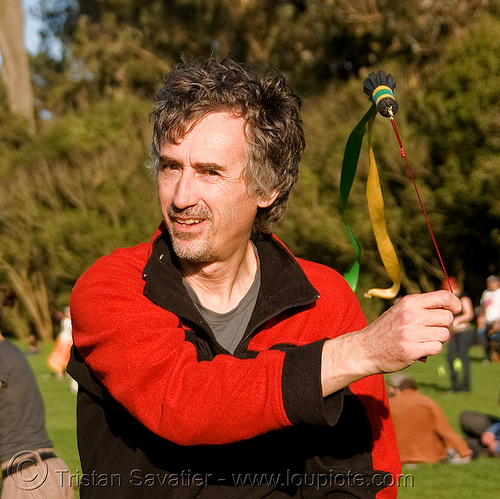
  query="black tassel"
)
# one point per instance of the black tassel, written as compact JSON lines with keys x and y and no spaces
{"x":380,"y":89}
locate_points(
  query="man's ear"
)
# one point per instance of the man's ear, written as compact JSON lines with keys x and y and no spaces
{"x":268,"y":201}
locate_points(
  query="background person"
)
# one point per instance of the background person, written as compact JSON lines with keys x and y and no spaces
{"x":482,"y":432}
{"x":30,"y":467}
{"x":461,"y":339}
{"x":422,"y":432}
{"x":59,"y":357}
{"x":490,"y":304}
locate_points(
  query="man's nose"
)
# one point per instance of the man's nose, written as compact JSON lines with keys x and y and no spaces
{"x":185,"y":194}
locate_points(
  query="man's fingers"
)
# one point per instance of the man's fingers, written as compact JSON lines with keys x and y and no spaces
{"x":440,"y":318}
{"x":429,"y":348}
{"x":440,"y":299}
{"x":414,"y":316}
{"x":440,"y":334}
{"x":430,"y":340}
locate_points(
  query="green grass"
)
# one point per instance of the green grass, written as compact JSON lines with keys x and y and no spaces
{"x":476,"y":479}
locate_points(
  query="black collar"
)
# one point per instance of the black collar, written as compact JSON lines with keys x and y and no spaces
{"x":283,"y":283}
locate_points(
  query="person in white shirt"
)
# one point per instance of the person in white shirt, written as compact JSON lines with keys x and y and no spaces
{"x":490,"y":305}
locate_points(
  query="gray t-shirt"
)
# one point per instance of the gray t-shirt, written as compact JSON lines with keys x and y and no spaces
{"x":229,"y":327}
{"x":22,"y":413}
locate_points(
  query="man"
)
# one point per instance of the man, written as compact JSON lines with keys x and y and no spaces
{"x":212,"y":362}
{"x":422,"y":432}
{"x":30,"y":467}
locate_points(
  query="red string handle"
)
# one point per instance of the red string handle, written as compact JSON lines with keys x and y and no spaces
{"x":410,"y":171}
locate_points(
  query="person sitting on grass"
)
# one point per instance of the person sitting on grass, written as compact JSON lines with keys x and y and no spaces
{"x":423,"y":434}
{"x":482,"y":432}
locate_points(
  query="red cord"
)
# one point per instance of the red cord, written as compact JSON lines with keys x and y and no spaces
{"x":420,"y":201}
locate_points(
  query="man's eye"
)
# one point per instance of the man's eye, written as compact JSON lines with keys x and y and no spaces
{"x":169,"y":167}
{"x":211,"y":172}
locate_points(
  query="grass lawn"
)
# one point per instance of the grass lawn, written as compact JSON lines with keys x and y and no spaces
{"x":476,"y":479}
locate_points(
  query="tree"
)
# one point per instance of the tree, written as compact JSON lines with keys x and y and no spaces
{"x":15,"y":71}
{"x":75,"y":193}
{"x":459,"y":112}
{"x":122,"y":47}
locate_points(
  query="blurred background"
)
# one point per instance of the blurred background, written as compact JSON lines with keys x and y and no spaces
{"x":77,"y":83}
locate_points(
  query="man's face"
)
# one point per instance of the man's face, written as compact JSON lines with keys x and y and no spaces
{"x":203,"y":196}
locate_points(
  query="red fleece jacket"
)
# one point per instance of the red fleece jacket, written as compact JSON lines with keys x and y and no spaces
{"x":139,"y":353}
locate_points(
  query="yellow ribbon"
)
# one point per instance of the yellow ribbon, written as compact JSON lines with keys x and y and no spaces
{"x":376,"y":209}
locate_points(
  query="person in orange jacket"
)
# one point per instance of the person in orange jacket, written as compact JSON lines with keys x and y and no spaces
{"x":422,"y":431}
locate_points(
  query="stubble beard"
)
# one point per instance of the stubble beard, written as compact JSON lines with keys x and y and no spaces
{"x":186,"y":247}
{"x":196,"y":248}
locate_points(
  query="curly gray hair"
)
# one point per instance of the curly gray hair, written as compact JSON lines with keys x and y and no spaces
{"x":269,"y":106}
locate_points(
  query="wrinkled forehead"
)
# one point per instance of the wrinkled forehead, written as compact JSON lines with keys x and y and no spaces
{"x":218,"y":138}
{"x":175,"y":127}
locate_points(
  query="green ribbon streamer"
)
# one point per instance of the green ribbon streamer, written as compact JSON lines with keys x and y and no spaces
{"x":349,"y":166}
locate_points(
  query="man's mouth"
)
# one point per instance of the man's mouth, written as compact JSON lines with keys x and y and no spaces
{"x":188,"y":221}
{"x":187,"y":224}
